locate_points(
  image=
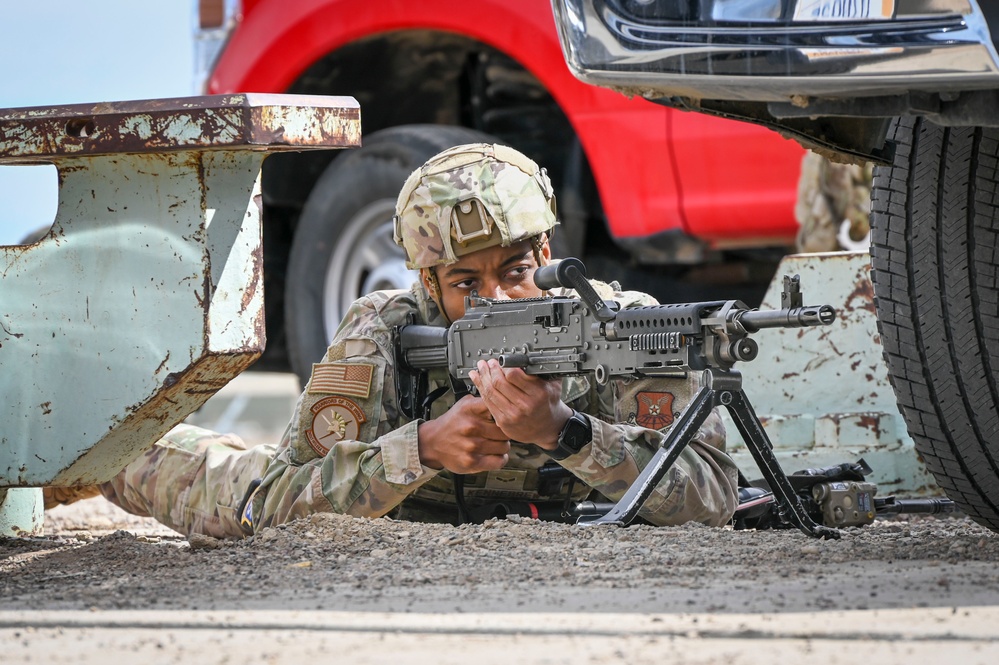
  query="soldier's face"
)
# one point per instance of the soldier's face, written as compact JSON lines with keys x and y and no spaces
{"x":495,"y":272}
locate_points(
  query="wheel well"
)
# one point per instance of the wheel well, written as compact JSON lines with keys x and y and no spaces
{"x":424,"y":76}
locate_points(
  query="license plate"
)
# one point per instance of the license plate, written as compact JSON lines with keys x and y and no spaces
{"x":844,"y":10}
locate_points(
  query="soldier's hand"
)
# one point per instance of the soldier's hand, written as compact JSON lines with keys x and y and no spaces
{"x":527,"y":408}
{"x":464,"y":439}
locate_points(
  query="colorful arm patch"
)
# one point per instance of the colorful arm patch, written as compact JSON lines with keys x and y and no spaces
{"x":349,"y":379}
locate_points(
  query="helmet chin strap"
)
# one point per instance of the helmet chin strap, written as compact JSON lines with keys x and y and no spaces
{"x":429,"y":279}
{"x":538,"y":243}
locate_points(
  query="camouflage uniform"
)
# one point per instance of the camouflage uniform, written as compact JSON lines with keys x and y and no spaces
{"x":349,"y":448}
{"x":830,"y":194}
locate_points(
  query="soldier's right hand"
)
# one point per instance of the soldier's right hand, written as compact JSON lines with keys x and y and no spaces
{"x":464,"y":439}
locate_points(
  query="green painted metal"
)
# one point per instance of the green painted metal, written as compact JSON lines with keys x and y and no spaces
{"x":823,"y":393}
{"x":21,"y":512}
{"x":146,"y":296}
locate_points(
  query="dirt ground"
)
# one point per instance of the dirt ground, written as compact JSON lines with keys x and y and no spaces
{"x":96,"y":557}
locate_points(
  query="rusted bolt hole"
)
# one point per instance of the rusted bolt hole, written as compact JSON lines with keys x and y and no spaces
{"x":80,"y":127}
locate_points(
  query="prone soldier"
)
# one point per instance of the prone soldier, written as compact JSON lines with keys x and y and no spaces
{"x":475,"y":218}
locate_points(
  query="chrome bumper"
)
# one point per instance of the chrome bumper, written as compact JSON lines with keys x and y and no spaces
{"x":929,"y":45}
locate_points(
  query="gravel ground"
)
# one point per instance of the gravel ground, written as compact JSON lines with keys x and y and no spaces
{"x":96,"y":557}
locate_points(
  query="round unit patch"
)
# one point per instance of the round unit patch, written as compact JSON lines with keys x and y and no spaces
{"x":333,"y":419}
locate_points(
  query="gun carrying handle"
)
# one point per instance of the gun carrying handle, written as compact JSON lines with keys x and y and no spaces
{"x":571,"y":273}
{"x":548,"y":277}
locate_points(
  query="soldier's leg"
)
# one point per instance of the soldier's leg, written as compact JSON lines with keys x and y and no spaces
{"x":192,"y":480}
{"x":58,"y":496}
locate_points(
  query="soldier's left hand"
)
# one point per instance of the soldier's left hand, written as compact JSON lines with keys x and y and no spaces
{"x":527,"y":408}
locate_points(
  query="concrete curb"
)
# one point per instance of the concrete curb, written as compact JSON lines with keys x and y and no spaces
{"x":965,"y":635}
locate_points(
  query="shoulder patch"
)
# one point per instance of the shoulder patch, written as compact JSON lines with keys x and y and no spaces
{"x":333,"y":419}
{"x":655,"y":410}
{"x":352,"y":379}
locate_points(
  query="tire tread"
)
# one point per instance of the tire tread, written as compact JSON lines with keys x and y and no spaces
{"x":934,"y":269}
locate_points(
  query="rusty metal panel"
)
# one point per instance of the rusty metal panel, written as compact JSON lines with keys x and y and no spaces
{"x":239,"y":121}
{"x":146,"y":297}
{"x":823,"y":393}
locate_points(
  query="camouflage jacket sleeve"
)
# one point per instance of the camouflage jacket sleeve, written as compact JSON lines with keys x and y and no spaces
{"x":630,"y":418}
{"x":702,"y":486}
{"x":348,"y":445}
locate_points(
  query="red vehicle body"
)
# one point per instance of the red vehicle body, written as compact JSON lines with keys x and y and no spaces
{"x":638,"y":182}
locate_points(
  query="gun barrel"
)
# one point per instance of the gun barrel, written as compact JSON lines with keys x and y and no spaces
{"x":932,"y":506}
{"x":795,"y":317}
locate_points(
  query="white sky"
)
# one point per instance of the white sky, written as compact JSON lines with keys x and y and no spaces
{"x":55,"y":52}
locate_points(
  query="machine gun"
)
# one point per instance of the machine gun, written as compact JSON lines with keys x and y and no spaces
{"x":565,"y":335}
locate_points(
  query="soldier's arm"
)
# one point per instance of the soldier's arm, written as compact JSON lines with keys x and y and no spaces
{"x":348,"y":449}
{"x":629,"y":419}
{"x":702,"y":486}
{"x":627,"y":428}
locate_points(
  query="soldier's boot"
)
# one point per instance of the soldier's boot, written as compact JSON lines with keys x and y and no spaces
{"x":57,"y":496}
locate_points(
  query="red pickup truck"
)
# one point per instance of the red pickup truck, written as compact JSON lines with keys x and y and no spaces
{"x":646,"y":194}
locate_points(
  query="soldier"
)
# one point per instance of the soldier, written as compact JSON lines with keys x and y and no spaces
{"x":473,"y":218}
{"x":834,"y":205}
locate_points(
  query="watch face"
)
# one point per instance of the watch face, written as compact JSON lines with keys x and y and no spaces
{"x":576,"y":433}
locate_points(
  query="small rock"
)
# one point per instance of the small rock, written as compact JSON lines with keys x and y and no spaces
{"x":200,"y":542}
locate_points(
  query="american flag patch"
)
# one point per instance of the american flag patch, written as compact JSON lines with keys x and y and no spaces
{"x":342,"y":379}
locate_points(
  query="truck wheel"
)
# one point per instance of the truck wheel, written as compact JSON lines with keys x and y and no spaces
{"x":935,"y":267}
{"x":343,"y":247}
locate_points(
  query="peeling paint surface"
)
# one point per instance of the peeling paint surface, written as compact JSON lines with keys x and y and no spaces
{"x":21,"y":513}
{"x":146,"y":297}
{"x":243,"y":121}
{"x":823,"y":393}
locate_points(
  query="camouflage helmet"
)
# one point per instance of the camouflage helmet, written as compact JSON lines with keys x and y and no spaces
{"x":468,"y":198}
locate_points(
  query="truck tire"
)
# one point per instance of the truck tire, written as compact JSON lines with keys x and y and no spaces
{"x":343,"y":247}
{"x":935,"y":268}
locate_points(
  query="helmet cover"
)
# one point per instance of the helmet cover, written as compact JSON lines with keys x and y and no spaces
{"x":468,"y":198}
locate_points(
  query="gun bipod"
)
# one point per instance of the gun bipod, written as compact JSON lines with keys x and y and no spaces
{"x":719,"y":387}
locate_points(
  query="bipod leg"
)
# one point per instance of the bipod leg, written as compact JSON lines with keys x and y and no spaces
{"x":734,"y":398}
{"x":686,"y":426}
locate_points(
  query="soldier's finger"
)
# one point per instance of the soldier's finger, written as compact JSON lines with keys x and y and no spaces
{"x":521,"y":380}
{"x":496,"y":390}
{"x":474,"y":406}
{"x":493,"y":446}
{"x":492,"y":462}
{"x":484,"y":379}
{"x":488,"y":429}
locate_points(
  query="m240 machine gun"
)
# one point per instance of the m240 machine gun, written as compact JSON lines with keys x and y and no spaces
{"x":566,"y":335}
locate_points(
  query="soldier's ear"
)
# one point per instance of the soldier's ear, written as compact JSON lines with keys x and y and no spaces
{"x":429,"y":280}
{"x":546,"y":251}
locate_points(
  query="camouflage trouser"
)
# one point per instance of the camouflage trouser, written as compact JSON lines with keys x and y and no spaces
{"x":834,"y":204}
{"x":192,"y":480}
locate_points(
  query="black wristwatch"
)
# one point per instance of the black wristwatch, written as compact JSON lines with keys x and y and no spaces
{"x":575,"y":434}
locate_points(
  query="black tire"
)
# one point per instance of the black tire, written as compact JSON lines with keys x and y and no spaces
{"x":343,"y":244}
{"x":935,"y":219}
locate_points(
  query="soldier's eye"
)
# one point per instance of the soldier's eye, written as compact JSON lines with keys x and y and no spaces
{"x":519,"y":271}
